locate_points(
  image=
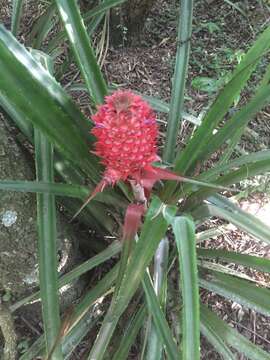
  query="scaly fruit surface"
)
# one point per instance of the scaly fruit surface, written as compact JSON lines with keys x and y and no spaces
{"x":126,"y":132}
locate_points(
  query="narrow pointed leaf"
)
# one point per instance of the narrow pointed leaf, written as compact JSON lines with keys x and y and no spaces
{"x":91,"y":19}
{"x":214,"y":173}
{"x":59,"y":189}
{"x":159,"y":319}
{"x":237,"y":122}
{"x":101,"y":289}
{"x":76,"y":191}
{"x":162,"y":106}
{"x":238,"y":217}
{"x":236,"y":289}
{"x":217,"y":331}
{"x":187,"y":158}
{"x":237,"y":7}
{"x":16,"y":16}
{"x":155,"y":346}
{"x":101,"y":8}
{"x":74,"y":274}
{"x":130,"y":334}
{"x":24,"y":79}
{"x":24,"y":126}
{"x":255,"y":262}
{"x":82,"y":49}
{"x":69,"y":58}
{"x":79,"y":331}
{"x":179,"y":79}
{"x":184,"y":232}
{"x":231,"y":145}
{"x":47,"y":237}
{"x":266,"y":78}
{"x":46,"y":219}
{"x":42,"y":27}
{"x":233,"y":177}
{"x":215,"y":334}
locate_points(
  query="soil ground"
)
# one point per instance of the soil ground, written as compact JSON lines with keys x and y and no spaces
{"x":221,"y":33}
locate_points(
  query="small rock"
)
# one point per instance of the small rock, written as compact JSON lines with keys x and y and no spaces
{"x":9,"y":218}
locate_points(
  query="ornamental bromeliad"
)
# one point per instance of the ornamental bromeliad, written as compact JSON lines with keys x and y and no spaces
{"x":126,"y":132}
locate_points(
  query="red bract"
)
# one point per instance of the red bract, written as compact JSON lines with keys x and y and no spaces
{"x":126,"y":131}
{"x":132,"y":220}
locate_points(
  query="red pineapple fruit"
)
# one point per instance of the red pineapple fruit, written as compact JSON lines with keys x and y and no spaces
{"x":126,"y":132}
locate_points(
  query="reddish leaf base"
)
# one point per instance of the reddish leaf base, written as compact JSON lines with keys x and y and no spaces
{"x":146,"y":178}
{"x":132,"y":222}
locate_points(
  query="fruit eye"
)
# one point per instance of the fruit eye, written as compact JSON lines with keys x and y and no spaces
{"x":99,"y":125}
{"x":149,"y":121}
